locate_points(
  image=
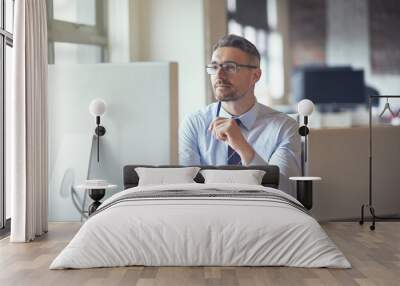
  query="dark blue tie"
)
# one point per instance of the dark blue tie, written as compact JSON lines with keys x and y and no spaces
{"x":233,"y":157}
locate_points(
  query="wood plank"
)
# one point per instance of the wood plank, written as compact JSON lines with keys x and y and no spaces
{"x":375,"y":257}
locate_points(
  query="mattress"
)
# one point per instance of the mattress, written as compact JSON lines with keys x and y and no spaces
{"x":201,"y":225}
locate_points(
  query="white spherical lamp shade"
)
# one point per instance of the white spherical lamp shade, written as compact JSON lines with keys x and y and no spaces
{"x":97,"y":107}
{"x":305,"y":107}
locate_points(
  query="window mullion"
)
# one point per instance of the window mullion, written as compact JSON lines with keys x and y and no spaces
{"x":101,"y":20}
{"x":6,"y":33}
{"x":2,"y":101}
{"x":3,"y":21}
{"x":62,"y":31}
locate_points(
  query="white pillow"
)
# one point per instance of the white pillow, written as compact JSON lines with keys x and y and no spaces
{"x":164,"y":176}
{"x":248,"y":177}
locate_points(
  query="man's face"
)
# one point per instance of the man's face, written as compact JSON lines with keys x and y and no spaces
{"x":233,"y":86}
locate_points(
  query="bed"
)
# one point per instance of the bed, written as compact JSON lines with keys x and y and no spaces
{"x":201,"y":224}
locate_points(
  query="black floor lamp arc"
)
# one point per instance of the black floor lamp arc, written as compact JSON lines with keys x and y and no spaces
{"x":369,"y":205}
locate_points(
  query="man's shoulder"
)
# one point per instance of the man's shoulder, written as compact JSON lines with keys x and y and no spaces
{"x":204,"y":113}
{"x":278,"y":116}
{"x":201,"y":117}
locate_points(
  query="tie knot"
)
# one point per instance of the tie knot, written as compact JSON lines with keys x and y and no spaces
{"x":237,"y":121}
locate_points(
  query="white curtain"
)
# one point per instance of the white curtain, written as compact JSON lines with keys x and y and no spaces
{"x":26,"y":118}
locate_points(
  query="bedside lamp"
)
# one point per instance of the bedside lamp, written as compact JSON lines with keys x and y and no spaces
{"x":305,"y":108}
{"x":97,"y":108}
{"x":304,"y":183}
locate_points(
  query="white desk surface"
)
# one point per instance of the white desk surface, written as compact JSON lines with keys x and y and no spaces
{"x":90,"y":187}
{"x":305,"y":178}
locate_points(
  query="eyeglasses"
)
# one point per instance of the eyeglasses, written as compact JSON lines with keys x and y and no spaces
{"x":227,"y":67}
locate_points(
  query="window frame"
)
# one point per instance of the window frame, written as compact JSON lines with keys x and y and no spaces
{"x":76,"y":33}
{"x":6,"y":39}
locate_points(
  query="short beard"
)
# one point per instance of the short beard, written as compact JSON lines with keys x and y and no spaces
{"x":230,"y":97}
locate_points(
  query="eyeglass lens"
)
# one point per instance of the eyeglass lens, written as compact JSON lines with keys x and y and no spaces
{"x":226,"y":67}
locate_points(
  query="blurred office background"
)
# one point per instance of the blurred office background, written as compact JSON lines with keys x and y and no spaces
{"x":150,"y":55}
{"x":352,"y":43}
{"x":334,"y":52}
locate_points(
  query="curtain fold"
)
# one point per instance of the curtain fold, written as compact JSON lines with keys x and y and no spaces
{"x":27,"y":123}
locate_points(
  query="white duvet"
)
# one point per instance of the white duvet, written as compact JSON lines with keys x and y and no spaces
{"x":200,"y":231}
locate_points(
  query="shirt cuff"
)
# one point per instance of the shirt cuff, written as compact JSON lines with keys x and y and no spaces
{"x":257,"y":160}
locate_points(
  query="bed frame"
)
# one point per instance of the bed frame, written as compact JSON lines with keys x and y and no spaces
{"x":270,"y":179}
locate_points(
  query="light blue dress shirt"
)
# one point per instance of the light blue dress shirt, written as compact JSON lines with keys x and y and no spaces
{"x":272,"y":134}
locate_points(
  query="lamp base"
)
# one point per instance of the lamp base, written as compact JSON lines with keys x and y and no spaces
{"x":305,"y":193}
{"x":96,"y":195}
{"x":372,"y":211}
{"x":305,"y":190}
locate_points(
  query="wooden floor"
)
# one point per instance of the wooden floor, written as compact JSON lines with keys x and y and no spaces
{"x":375,"y":257}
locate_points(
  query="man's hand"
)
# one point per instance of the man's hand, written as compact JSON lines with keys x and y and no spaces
{"x":227,"y":130}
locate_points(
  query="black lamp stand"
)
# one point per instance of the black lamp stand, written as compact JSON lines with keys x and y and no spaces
{"x":99,"y":131}
{"x":304,"y":187}
{"x":303,"y":131}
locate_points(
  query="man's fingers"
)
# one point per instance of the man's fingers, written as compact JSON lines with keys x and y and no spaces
{"x":220,"y":135}
{"x":218,"y":132}
{"x":216,"y":122}
{"x":220,"y":128}
{"x":218,"y":119}
{"x":221,"y":124}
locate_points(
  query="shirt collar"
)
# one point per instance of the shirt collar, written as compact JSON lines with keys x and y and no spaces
{"x":247,"y":119}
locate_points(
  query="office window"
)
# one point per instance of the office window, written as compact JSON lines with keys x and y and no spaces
{"x":275,"y":71}
{"x":75,"y":11}
{"x":258,"y":24}
{"x":6,"y":43}
{"x":67,"y":53}
{"x":8,"y":79}
{"x":77,"y":31}
{"x":9,"y":11}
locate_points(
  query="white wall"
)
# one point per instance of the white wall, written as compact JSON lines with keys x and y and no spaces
{"x":181,"y":31}
{"x":174,"y":31}
{"x":348,"y":42}
{"x":140,"y":122}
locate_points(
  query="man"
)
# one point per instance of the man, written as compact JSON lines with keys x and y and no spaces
{"x":237,"y":129}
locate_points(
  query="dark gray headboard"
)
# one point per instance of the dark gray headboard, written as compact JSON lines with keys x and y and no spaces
{"x":270,"y":179}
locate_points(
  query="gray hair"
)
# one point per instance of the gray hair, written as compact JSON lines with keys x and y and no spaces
{"x":240,"y":43}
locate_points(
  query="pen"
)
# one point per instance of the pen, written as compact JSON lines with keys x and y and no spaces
{"x":218,"y":108}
